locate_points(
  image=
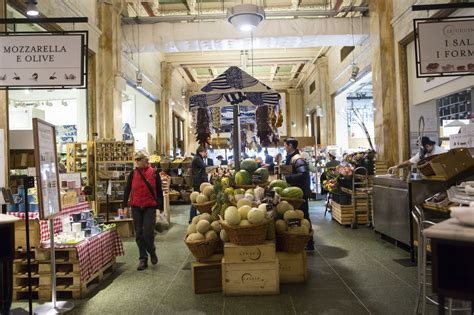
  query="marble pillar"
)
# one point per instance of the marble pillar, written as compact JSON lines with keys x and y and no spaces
{"x":109,"y":105}
{"x":165,"y":127}
{"x":384,"y":80}
{"x":295,"y":113}
{"x":4,"y":106}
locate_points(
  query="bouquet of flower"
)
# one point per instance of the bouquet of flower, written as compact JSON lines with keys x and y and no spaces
{"x":344,"y":171}
{"x":331,"y":185}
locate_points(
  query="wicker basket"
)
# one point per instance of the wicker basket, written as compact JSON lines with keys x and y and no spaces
{"x":295,"y":202}
{"x":292,"y":243}
{"x":246,"y":235}
{"x":205,"y":207}
{"x":203,"y":249}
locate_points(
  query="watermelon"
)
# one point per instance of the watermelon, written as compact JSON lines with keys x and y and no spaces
{"x":278,"y":183}
{"x":243,"y":177}
{"x":249,"y":165}
{"x":278,"y":190}
{"x":292,"y":192}
{"x":263,"y":174}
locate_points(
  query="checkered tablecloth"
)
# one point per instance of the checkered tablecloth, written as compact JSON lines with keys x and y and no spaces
{"x":93,"y":253}
{"x":44,"y":224}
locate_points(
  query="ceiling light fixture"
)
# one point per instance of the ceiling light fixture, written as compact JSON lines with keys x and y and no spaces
{"x":31,"y":9}
{"x":139,"y":79}
{"x":354,"y":73}
{"x":355,"y":68}
{"x":245,"y":17}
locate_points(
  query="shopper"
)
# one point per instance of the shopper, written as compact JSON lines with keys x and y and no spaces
{"x":221,"y":159}
{"x":299,"y":177}
{"x":428,"y":148}
{"x":146,"y":195}
{"x":198,"y":170}
{"x":332,"y":162}
{"x":269,"y":162}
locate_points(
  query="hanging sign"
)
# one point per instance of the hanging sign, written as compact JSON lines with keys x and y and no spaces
{"x":444,"y":47}
{"x":46,"y":168}
{"x":36,"y":60}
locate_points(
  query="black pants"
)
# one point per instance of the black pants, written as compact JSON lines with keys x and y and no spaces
{"x":305,"y":208}
{"x":144,"y":220}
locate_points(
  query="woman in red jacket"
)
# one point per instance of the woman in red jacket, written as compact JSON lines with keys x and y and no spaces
{"x":146,"y":195}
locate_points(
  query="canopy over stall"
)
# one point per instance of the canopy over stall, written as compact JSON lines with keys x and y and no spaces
{"x":233,"y":89}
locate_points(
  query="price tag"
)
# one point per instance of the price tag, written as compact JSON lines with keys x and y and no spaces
{"x":293,"y":222}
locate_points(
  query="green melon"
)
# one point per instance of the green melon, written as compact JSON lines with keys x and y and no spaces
{"x":249,"y":165}
{"x":278,"y":190}
{"x":292,"y":192}
{"x":263,"y":174}
{"x":278,"y":183}
{"x":243,"y":177}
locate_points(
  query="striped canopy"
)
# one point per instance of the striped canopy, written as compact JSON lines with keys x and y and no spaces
{"x":234,"y":87}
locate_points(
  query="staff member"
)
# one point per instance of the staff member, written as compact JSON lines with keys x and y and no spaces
{"x":299,"y":177}
{"x":428,"y":148}
{"x":198,"y":170}
{"x":146,"y":195}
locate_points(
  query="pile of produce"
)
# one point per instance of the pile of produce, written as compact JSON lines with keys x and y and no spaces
{"x":250,"y":174}
{"x":281,"y":188}
{"x":206,"y":194}
{"x":287,"y":219}
{"x":155,"y":158}
{"x":202,"y":228}
{"x":265,"y":130}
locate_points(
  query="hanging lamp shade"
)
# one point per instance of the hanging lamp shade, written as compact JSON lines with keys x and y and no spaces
{"x":245,"y":17}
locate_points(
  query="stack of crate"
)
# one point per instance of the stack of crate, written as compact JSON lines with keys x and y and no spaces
{"x":250,"y":270}
{"x":68,"y":278}
{"x":293,"y":267}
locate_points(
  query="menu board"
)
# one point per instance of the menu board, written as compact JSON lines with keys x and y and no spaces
{"x":46,"y":168}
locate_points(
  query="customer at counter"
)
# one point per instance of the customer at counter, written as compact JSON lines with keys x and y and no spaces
{"x":428,"y":148}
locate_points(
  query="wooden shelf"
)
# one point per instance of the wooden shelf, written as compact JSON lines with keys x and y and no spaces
{"x":117,"y":162}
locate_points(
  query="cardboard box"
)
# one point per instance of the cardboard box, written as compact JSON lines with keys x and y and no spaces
{"x":452,"y":163}
{"x":293,"y":268}
{"x":251,"y":254}
{"x":207,"y":276}
{"x":250,"y":278}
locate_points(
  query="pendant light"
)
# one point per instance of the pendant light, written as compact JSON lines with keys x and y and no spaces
{"x":355,"y":68}
{"x":245,"y":17}
{"x":31,"y":9}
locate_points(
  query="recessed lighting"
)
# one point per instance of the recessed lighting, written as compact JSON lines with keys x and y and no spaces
{"x":27,"y":91}
{"x":31,"y":9}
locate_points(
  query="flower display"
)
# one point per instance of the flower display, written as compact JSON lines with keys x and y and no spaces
{"x":344,"y":171}
{"x":331,"y":185}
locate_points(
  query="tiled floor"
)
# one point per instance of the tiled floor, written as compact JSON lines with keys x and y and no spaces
{"x":351,"y":272}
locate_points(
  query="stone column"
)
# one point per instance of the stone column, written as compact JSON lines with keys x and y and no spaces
{"x":4,"y":106}
{"x":295,"y":113}
{"x":383,"y":80}
{"x":325,"y":102}
{"x":109,"y":106}
{"x":165,"y":127}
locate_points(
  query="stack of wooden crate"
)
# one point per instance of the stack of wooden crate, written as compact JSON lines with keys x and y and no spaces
{"x":68,"y":279}
{"x":293,"y":267}
{"x":250,"y":270}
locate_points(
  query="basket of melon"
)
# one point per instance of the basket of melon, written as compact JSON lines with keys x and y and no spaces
{"x":202,"y":236}
{"x":204,"y":200}
{"x":292,"y":229}
{"x":245,"y":225}
{"x":292,"y":195}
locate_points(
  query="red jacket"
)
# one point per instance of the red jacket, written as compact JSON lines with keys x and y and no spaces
{"x":140,"y":195}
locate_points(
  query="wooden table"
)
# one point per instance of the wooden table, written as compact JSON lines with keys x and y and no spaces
{"x":452,"y":246}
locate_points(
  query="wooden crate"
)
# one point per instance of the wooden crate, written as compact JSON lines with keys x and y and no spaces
{"x":20,"y":233}
{"x":207,"y":276}
{"x":98,"y":277}
{"x":343,"y":214}
{"x":125,"y":227}
{"x":250,"y":278}
{"x":62,"y":255}
{"x":293,"y":268}
{"x":255,"y":253}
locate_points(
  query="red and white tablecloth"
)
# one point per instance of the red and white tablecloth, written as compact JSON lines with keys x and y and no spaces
{"x":44,"y":224}
{"x":94,"y":252}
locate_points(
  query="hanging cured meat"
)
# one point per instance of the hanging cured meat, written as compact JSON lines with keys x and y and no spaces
{"x":203,"y":126}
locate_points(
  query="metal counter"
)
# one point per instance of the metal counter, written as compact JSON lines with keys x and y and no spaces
{"x":392,"y":208}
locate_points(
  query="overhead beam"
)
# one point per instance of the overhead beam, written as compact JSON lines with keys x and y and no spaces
{"x":148,"y":9}
{"x":273,"y":72}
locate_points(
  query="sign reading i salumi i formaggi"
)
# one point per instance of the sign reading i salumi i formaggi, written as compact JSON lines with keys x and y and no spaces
{"x":445,"y":47}
{"x":30,"y":60}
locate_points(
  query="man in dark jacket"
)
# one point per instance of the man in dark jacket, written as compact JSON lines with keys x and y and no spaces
{"x":198,"y":170}
{"x":146,"y":195}
{"x":299,"y":177}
